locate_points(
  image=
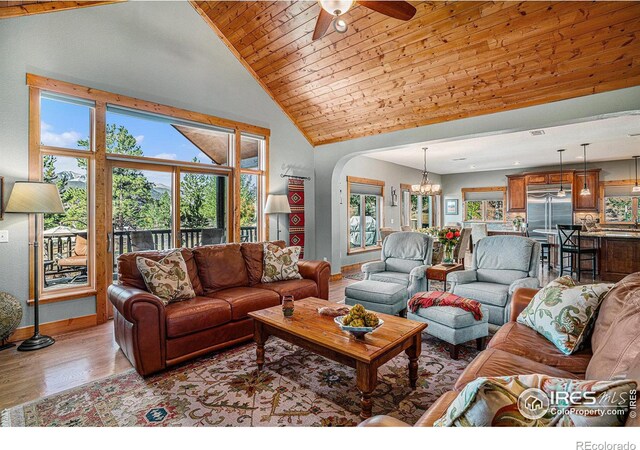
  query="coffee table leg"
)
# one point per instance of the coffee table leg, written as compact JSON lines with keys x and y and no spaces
{"x":260,"y":336}
{"x":413,"y":353}
{"x":367,"y":378}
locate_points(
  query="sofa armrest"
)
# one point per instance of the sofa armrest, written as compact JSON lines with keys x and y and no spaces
{"x":383,"y":421}
{"x":139,"y":327}
{"x":529,"y":282}
{"x":461,"y":277}
{"x":419,"y":272}
{"x":318,"y":271}
{"x":374,"y":266}
{"x":519,"y":301}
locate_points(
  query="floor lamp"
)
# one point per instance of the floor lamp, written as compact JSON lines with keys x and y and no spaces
{"x":277,"y":204}
{"x":32,"y":197}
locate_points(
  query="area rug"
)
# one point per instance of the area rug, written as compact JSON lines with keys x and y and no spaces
{"x":296,"y":388}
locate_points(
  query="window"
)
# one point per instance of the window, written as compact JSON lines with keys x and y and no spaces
{"x":484,"y":204}
{"x":364,"y":213}
{"x":418,"y":211}
{"x":137,"y":133}
{"x":170,"y":176}
{"x":620,"y":205}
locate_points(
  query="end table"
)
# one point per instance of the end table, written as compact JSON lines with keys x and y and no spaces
{"x":439,"y":272}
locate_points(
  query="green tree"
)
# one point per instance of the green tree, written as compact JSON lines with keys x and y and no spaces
{"x":74,"y":198}
{"x":248,"y":199}
{"x":198,"y":200}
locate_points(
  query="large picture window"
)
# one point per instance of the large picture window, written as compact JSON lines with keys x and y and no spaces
{"x":484,"y":204}
{"x":364,"y":213}
{"x":135,"y":175}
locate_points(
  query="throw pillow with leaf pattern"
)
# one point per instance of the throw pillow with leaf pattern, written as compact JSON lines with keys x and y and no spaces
{"x":168,"y":278}
{"x":564,"y":312}
{"x":498,"y":402}
{"x":280,"y":263}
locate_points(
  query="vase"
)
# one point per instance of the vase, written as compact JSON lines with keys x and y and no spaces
{"x":287,"y":305}
{"x":447,"y":257}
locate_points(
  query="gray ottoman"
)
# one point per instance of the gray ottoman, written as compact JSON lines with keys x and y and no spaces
{"x":387,"y":298}
{"x":454,"y":325}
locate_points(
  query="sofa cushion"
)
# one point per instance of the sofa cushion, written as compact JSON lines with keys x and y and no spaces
{"x":501,"y":276}
{"x":391,"y":277}
{"x":615,"y":300}
{"x":489,"y":293}
{"x":495,"y":363}
{"x":197,"y":314}
{"x":402,"y":265}
{"x":451,"y":316}
{"x":564,"y":313}
{"x":620,"y":346}
{"x":129,"y":275}
{"x":504,"y":253}
{"x":253,"y":254}
{"x":220,"y":267}
{"x":167,"y":279}
{"x":521,"y":340}
{"x":298,"y":288}
{"x":244,"y":300}
{"x":280,"y":264}
{"x":500,"y":401}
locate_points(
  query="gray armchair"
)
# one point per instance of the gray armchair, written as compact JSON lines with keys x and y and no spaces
{"x":501,"y":264}
{"x":405,"y":258}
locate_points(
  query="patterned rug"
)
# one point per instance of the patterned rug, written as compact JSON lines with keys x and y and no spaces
{"x":296,"y":388}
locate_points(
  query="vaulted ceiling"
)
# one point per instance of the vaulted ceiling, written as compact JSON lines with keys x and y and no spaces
{"x":10,"y":9}
{"x":452,"y":60}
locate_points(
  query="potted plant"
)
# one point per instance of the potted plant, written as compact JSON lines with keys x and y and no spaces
{"x":449,"y":238}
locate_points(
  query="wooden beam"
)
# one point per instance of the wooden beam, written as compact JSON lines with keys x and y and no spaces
{"x":30,"y":8}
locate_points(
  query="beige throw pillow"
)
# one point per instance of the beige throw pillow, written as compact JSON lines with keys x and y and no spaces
{"x":168,"y":278}
{"x":280,"y":263}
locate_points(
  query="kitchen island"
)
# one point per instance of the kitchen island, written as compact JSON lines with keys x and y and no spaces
{"x":618,"y":251}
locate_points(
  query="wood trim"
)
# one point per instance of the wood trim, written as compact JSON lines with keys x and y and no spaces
{"x":29,"y":9}
{"x":35,"y":173}
{"x":354,"y":267}
{"x":361,"y":180}
{"x":237,"y":184}
{"x":483,"y":189}
{"x":49,"y":84}
{"x":248,"y":67}
{"x":65,"y":295}
{"x":56,"y":327}
{"x":356,"y":251}
{"x":265,"y":178}
{"x":335,"y":277}
{"x":405,"y":187}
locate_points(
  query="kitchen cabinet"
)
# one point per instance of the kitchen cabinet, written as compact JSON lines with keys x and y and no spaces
{"x":516,"y":194}
{"x":586,"y":202}
{"x":537,"y":179}
{"x":618,"y":258}
{"x":567,"y":178}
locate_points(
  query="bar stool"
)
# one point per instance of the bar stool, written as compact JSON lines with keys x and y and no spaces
{"x":571,"y":245}
{"x":545,"y":250}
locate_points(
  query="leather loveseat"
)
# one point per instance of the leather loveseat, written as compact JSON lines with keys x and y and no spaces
{"x":518,"y":350}
{"x":226,"y":279}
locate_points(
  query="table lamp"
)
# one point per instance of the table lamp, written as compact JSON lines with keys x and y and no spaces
{"x":277,"y":204}
{"x":33,"y":197}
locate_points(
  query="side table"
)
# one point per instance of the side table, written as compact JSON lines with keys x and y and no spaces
{"x":439,"y":272}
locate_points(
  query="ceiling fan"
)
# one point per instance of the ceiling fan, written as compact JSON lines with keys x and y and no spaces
{"x":332,"y":11}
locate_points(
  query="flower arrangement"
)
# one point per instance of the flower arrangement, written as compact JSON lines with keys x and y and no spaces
{"x":517,"y":223}
{"x":449,"y":238}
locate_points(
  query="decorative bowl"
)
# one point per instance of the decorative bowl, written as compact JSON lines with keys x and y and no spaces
{"x":357,"y":332}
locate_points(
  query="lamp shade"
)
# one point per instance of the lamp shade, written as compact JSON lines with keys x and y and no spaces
{"x":34,"y":197}
{"x":277,"y":204}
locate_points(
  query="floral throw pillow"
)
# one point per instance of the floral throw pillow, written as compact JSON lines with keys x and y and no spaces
{"x":564,"y":312}
{"x":280,"y":263}
{"x":539,"y":401}
{"x":168,"y":278}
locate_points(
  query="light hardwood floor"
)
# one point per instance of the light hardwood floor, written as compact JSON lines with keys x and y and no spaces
{"x":75,"y":359}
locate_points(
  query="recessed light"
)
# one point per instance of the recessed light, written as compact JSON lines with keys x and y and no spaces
{"x":459,"y":159}
{"x":473,"y":166}
{"x":517,"y":163}
{"x":536,"y":132}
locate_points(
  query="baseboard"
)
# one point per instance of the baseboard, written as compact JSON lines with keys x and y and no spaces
{"x":57,"y":327}
{"x":335,"y":277}
{"x":354,"y":267}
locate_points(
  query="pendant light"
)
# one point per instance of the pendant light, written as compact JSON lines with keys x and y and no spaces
{"x":585,"y":189}
{"x":636,"y":188}
{"x":426,"y":187}
{"x":561,"y":191}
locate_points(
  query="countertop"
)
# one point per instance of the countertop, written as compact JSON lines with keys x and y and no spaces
{"x":600,"y":234}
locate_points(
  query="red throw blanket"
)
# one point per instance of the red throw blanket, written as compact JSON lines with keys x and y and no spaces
{"x":435,"y":298}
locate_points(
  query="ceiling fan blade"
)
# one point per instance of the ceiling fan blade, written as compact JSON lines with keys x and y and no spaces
{"x":322,"y":25}
{"x":397,"y":10}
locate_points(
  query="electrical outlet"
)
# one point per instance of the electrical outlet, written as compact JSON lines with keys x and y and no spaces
{"x":392,"y":220}
{"x":4,"y":235}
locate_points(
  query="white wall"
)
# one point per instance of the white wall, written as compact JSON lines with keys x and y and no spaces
{"x":158,"y":51}
{"x":452,"y":184}
{"x":392,"y":175}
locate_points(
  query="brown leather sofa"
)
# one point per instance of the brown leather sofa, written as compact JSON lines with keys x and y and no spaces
{"x":226,"y":279}
{"x":518,"y":350}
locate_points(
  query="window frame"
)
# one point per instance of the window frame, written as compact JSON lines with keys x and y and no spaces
{"x":379,"y":212}
{"x":100,"y":162}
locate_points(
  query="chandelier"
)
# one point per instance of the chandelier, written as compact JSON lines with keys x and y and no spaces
{"x":426,"y":187}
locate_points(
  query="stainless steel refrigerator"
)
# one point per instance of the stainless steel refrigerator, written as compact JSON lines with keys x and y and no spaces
{"x":545,"y":210}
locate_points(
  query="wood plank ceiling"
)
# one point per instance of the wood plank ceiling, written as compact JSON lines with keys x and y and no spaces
{"x":452,"y":60}
{"x":10,"y":9}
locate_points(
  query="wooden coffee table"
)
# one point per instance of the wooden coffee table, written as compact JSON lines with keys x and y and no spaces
{"x":320,"y":334}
